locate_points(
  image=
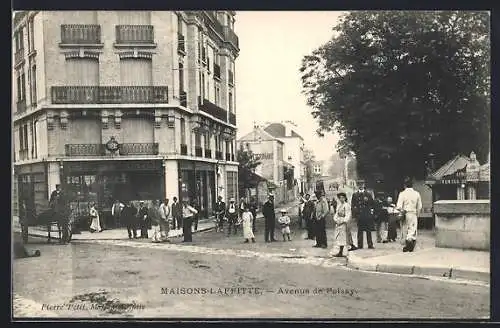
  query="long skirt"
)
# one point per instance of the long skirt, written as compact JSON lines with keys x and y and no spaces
{"x":96,"y":224}
{"x":340,"y":234}
{"x":156,"y":238}
{"x":247,"y":229}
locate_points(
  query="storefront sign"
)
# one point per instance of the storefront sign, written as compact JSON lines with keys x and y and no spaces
{"x":264,"y":156}
{"x":113,"y":166}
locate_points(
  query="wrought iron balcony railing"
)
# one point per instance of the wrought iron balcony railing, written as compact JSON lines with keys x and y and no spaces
{"x":231,"y":37}
{"x":208,"y":153}
{"x":109,"y":94}
{"x":216,"y":71}
{"x":228,"y":156}
{"x":18,"y":56}
{"x":212,"y":109}
{"x":198,"y":151}
{"x":218,"y":155}
{"x":184,"y":149}
{"x":230,"y":77}
{"x":85,"y":149}
{"x":80,"y":34}
{"x":21,"y":105}
{"x":139,"y":149}
{"x":232,"y":118}
{"x":183,"y":98}
{"x":134,"y":34}
{"x":181,"y":47}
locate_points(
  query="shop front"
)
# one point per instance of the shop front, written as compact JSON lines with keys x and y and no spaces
{"x":31,"y":185}
{"x":104,"y":182}
{"x":197,"y":185}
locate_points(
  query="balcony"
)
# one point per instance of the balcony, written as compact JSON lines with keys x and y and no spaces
{"x":232,"y":118}
{"x":109,"y":94}
{"x":139,"y":149}
{"x":230,"y":77}
{"x":212,"y":109}
{"x":23,"y":154}
{"x":21,"y":105}
{"x":228,"y":156}
{"x":183,"y":98}
{"x":181,"y":47}
{"x":80,"y":34}
{"x":85,"y":149}
{"x":184,"y":149}
{"x":216,"y":71}
{"x":18,"y":56}
{"x":212,"y":22}
{"x":208,"y":153}
{"x":198,"y":151}
{"x":218,"y":155}
{"x":134,"y":34}
{"x":231,"y":37}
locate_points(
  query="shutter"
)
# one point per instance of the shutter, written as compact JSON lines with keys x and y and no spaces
{"x":136,"y":72}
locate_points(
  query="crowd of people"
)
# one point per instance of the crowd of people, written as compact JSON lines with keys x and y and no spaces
{"x":366,"y":213}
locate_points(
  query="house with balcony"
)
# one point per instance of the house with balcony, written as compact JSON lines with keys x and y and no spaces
{"x":129,"y":105}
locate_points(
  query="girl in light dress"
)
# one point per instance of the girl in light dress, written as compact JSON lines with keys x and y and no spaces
{"x":342,"y":217}
{"x":95,"y":226}
{"x":247,"y":221}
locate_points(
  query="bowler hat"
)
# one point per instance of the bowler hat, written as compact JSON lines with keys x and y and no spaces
{"x":342,"y":194}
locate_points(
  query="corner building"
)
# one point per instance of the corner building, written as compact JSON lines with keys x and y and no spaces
{"x":129,"y":105}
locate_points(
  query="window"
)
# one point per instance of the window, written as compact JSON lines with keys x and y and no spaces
{"x":203,"y":93}
{"x":21,"y":86}
{"x":229,"y":21}
{"x":207,"y":140}
{"x":19,"y":38}
{"x":197,"y":139}
{"x":32,"y":131}
{"x":31,"y":34}
{"x":82,"y":72}
{"x":230,"y":101}
{"x":181,"y":77}
{"x":217,"y":93}
{"x":136,"y":72}
{"x":33,"y":86}
{"x":35,"y":141}
{"x":183,"y":131}
{"x":180,"y":26}
{"x":200,"y":88}
{"x":232,"y":184}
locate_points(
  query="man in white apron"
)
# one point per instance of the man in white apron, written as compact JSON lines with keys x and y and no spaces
{"x":410,"y":204}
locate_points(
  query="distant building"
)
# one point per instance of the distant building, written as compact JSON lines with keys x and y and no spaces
{"x":293,"y":148}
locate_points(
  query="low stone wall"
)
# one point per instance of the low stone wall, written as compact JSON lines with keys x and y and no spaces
{"x":463,"y":224}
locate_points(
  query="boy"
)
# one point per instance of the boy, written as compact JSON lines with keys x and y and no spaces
{"x":284,"y":221}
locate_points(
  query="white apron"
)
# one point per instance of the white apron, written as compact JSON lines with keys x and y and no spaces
{"x":247,"y":219}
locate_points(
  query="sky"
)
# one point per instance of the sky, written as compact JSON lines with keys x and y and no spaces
{"x":268,"y":85}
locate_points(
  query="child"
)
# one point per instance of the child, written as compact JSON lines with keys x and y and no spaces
{"x":284,"y":221}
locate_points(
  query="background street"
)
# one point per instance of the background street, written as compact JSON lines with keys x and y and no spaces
{"x":118,"y":275}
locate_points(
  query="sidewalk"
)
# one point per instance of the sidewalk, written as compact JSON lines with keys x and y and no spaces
{"x":426,"y":260}
{"x":121,"y":233}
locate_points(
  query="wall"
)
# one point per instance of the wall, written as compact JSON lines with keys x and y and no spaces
{"x":266,"y":148}
{"x":463,"y":224}
{"x":426,"y":196}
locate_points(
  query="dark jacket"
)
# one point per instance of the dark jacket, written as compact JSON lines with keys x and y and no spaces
{"x":176,"y":210}
{"x":220,"y":208}
{"x":232,"y":215}
{"x":143,"y":211}
{"x":154,"y":215}
{"x":129,"y":214}
{"x":381,"y":214}
{"x":363,"y":208}
{"x":309,"y":209}
{"x":268,"y":211}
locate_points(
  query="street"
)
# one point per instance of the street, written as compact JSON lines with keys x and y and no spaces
{"x":112,"y":279}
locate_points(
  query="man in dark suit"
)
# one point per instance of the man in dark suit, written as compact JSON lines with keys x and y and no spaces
{"x":307,"y":213}
{"x":128,"y":214}
{"x":363,"y":207}
{"x":176,"y":214}
{"x":270,"y":218}
{"x":143,"y":218}
{"x":220,"y":209}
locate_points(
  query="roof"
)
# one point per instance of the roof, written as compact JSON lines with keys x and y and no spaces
{"x":256,"y":133}
{"x":278,"y":130}
{"x":459,"y":162}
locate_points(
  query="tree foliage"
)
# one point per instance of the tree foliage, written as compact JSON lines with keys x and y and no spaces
{"x":399,"y":86}
{"x":247,"y":165}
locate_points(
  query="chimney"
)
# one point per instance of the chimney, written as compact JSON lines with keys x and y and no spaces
{"x":288,"y":130}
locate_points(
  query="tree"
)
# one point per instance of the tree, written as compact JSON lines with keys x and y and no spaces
{"x":399,"y":86}
{"x":309,"y":159}
{"x":248,"y":162}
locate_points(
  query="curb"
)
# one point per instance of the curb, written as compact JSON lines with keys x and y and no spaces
{"x":358,"y":263}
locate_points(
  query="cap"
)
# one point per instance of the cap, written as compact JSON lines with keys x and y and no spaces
{"x":271,"y":195}
{"x":342,"y":194}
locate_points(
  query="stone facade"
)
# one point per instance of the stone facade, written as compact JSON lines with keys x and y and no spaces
{"x":463,"y":224}
{"x":56,"y":122}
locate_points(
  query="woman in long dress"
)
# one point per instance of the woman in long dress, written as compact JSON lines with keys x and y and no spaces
{"x":95,"y":226}
{"x":247,"y":220}
{"x":342,"y":217}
